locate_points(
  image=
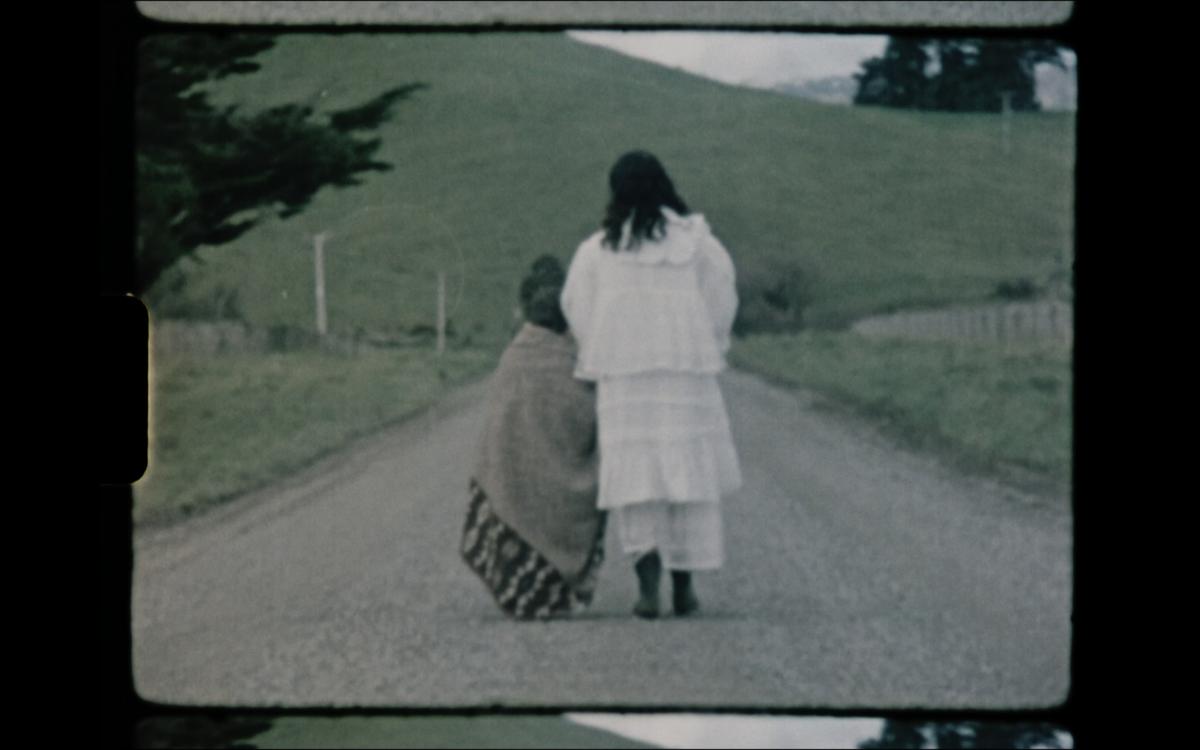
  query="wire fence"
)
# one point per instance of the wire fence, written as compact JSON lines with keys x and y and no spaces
{"x":208,"y":338}
{"x":1000,"y":323}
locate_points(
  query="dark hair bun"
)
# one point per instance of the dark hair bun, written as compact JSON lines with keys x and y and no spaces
{"x":547,"y":266}
{"x":540,"y":292}
{"x":543,"y":309}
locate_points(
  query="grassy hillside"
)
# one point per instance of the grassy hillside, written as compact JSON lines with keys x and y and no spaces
{"x":504,"y":156}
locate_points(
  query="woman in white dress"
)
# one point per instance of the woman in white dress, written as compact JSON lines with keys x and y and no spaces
{"x":651,"y":299}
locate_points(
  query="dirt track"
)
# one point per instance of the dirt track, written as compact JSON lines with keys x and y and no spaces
{"x":858,"y":575}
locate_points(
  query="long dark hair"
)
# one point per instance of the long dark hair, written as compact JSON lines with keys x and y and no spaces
{"x":640,"y":188}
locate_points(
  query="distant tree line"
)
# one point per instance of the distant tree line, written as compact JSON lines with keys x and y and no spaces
{"x":207,"y":175}
{"x":960,"y":75}
{"x":915,"y":735}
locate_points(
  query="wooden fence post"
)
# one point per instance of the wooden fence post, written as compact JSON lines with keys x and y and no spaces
{"x":1006,"y":120}
{"x":319,"y":271}
{"x":441,"y":313}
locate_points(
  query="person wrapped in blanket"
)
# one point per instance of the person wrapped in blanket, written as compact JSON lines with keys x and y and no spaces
{"x":533,"y":533}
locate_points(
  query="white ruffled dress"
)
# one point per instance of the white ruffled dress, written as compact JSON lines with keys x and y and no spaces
{"x":653,"y":328}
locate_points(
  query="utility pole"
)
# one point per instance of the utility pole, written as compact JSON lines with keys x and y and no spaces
{"x":441,"y":313}
{"x":1006,"y":120}
{"x":319,"y":271}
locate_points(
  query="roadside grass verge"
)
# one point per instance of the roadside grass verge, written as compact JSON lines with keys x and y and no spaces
{"x":225,"y":425}
{"x":985,"y":409}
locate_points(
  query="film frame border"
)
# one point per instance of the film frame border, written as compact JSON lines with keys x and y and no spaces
{"x":122,"y":27}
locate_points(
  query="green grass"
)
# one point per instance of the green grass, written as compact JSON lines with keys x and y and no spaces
{"x":985,"y":408}
{"x":505,"y":157}
{"x":228,"y":424}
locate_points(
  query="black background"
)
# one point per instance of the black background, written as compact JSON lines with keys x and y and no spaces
{"x":1101,"y":707}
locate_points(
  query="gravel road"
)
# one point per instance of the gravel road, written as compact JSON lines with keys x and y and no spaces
{"x":859,"y":575}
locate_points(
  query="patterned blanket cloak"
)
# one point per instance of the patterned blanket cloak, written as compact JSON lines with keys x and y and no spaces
{"x":537,"y":459}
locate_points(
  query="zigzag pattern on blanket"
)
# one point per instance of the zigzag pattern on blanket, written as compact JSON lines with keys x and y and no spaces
{"x":523,"y":583}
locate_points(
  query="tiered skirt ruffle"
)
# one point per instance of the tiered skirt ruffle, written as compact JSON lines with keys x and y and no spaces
{"x":664,"y":436}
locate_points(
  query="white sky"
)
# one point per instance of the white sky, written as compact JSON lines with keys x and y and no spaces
{"x":745,"y":58}
{"x":734,"y":731}
{"x":765,"y":60}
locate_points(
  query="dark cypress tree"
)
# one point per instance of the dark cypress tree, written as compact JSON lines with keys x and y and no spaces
{"x":205,"y":176}
{"x":960,"y":75}
{"x":899,"y":77}
{"x":962,"y":734}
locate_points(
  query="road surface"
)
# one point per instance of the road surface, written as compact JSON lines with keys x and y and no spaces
{"x":858,"y":575}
